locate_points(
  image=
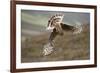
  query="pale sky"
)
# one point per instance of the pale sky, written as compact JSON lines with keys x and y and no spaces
{"x":42,"y":17}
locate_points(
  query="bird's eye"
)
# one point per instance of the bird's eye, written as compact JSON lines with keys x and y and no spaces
{"x":49,"y":21}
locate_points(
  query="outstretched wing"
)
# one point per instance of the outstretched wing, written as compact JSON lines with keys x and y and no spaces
{"x":67,"y":27}
{"x":54,"y":21}
{"x":75,"y":29}
{"x":55,"y":24}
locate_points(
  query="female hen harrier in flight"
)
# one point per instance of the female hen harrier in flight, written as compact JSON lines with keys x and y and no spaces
{"x":57,"y":26}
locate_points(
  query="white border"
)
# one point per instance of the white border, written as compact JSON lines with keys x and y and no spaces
{"x":20,"y":65}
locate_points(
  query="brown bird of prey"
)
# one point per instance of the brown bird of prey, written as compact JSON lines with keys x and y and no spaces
{"x":57,"y":26}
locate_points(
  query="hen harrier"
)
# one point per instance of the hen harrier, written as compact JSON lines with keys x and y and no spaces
{"x":57,"y":26}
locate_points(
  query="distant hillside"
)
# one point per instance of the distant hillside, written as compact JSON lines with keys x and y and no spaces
{"x":67,"y":47}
